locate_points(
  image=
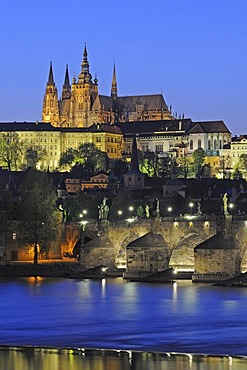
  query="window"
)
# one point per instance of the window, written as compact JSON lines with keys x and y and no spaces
{"x":215,"y":144}
{"x":14,"y":236}
{"x":209,"y":144}
{"x":199,"y":145}
{"x":159,"y":148}
{"x":191,"y":144}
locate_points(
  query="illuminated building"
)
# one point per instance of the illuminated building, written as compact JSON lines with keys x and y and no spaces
{"x":56,"y":140}
{"x":82,"y":106}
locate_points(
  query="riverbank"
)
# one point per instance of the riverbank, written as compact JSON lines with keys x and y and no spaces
{"x":61,"y":269}
{"x":56,"y":269}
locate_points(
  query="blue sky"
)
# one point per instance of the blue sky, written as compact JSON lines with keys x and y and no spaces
{"x":193,"y":51}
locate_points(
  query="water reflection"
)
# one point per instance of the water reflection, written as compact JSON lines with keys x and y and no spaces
{"x":89,"y":359}
{"x":114,"y":313}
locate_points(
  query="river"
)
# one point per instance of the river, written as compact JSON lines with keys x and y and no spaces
{"x":116,"y":314}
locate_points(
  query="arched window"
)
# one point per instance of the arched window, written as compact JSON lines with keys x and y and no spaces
{"x":191,"y":144}
{"x":220,"y":144}
{"x":215,"y":144}
{"x":199,"y":144}
{"x":209,"y":144}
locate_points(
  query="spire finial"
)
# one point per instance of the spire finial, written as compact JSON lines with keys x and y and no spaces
{"x":50,"y":78}
{"x":85,"y":75}
{"x":114,"y":84}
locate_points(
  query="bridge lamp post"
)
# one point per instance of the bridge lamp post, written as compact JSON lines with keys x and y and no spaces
{"x":119,"y":212}
{"x":131,"y":209}
{"x":169,"y":209}
{"x":231,"y":205}
{"x":84,"y":212}
{"x":191,"y":205}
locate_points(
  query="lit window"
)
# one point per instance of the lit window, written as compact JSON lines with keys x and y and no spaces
{"x":14,"y":236}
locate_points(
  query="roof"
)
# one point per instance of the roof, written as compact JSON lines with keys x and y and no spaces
{"x":40,"y":126}
{"x":159,"y":126}
{"x":209,"y":126}
{"x":26,"y":126}
{"x":217,"y":241}
{"x":149,"y":240}
{"x":106,"y":102}
{"x":149,"y":102}
{"x":106,"y":128}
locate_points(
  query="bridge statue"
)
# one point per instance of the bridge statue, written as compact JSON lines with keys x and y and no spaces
{"x":225,"y":199}
{"x":199,"y":212}
{"x":103,"y":209}
{"x":147,"y":211}
{"x":157,"y":211}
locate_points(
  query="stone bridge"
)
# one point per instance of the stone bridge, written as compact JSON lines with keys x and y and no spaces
{"x":108,"y":240}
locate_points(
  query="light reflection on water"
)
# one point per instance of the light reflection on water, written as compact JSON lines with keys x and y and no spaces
{"x":129,"y":316}
{"x":90,"y":359}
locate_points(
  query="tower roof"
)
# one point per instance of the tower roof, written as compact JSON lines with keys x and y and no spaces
{"x":66,"y":79}
{"x":85,"y":75}
{"x":114,"y":84}
{"x":134,"y":164}
{"x":50,"y":78}
{"x":66,"y":93}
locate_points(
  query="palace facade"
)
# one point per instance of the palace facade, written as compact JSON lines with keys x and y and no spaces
{"x":54,"y":141}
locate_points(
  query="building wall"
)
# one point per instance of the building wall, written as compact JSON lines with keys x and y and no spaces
{"x":54,"y":142}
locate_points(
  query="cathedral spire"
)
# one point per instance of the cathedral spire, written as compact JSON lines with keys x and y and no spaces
{"x":50,"y":78}
{"x":114,"y":84}
{"x":85,"y":75}
{"x":66,"y":93}
{"x":134,"y":164}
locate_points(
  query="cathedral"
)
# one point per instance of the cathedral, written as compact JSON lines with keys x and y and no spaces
{"x":81,"y":105}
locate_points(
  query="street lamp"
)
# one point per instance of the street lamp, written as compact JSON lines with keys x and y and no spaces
{"x":119,"y":212}
{"x":191,"y":205}
{"x":231,"y":206}
{"x":131,"y":209}
{"x":84,"y":212}
{"x":169,"y":209}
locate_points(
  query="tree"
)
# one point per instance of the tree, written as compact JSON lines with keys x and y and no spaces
{"x":237,"y":174}
{"x":67,"y":159}
{"x":185,"y":166}
{"x":119,"y":167}
{"x":10,"y":150}
{"x":148,"y":162}
{"x":87,"y":156}
{"x":37,"y":211}
{"x":34,"y":156}
{"x":242,"y":165}
{"x":166,"y":166}
{"x":198,"y":160}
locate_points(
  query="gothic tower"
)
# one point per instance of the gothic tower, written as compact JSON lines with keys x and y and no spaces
{"x":83,"y":95}
{"x":66,"y":93}
{"x":114,"y":85}
{"x":50,"y":112}
{"x":134,"y":179}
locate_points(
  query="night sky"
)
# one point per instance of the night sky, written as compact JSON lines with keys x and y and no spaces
{"x":194,"y":52}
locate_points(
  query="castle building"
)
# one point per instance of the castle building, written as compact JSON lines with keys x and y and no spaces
{"x":177,"y":137}
{"x":56,"y":140}
{"x":82,"y":106}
